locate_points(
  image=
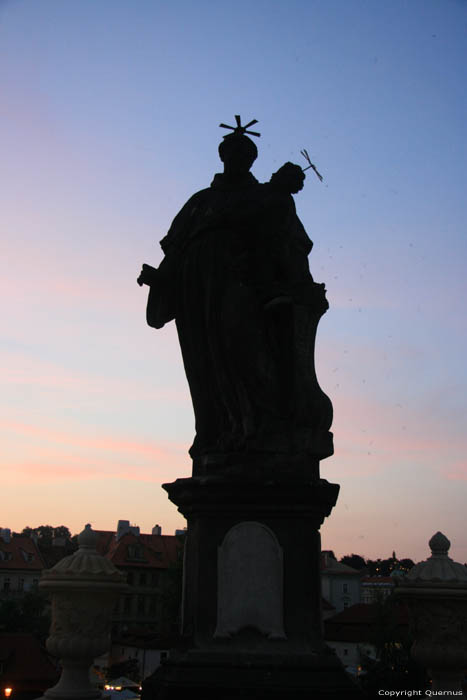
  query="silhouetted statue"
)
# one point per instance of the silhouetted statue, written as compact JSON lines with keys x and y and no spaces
{"x":235,"y":278}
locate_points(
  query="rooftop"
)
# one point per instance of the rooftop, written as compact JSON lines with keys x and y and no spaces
{"x":21,"y":552}
{"x":357,"y":622}
{"x":141,"y":551}
{"x":330,"y":565}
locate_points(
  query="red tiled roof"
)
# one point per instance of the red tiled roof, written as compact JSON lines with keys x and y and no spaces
{"x":17,"y":548}
{"x":158,"y":551}
{"x":104,"y":540}
{"x":26,"y":666}
{"x":354,"y":624}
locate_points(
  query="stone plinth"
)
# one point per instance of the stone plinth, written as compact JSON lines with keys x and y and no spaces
{"x":251,"y":618}
{"x":436,"y":593}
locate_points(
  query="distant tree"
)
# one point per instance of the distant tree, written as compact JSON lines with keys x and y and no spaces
{"x":46,"y":533}
{"x":62,"y":531}
{"x":406,"y":564}
{"x":354,"y":560}
{"x":381,"y":567}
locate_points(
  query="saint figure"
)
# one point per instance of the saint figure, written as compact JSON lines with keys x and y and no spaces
{"x":235,"y":278}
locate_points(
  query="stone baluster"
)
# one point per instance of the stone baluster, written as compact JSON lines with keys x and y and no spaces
{"x":436,"y":594}
{"x":84,"y":588}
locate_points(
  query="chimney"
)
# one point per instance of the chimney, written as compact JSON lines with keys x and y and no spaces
{"x":327,"y":557}
{"x":122,"y":528}
{"x":157,"y":530}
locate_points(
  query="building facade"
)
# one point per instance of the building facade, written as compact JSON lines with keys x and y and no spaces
{"x":340,"y":584}
{"x":21,"y":564}
{"x":376,"y":588}
{"x":153,"y":567}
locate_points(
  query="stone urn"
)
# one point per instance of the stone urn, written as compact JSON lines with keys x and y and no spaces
{"x":436,"y":594}
{"x":84,"y":588}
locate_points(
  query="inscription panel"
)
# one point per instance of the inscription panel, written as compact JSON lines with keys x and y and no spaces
{"x":250,"y":582}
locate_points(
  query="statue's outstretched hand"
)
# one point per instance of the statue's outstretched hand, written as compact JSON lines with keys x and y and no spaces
{"x":147,"y":276}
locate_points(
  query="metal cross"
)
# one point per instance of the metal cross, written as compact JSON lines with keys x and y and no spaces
{"x":304,"y":153}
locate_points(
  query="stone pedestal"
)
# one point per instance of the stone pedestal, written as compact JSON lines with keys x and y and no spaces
{"x":84,"y":588}
{"x":251,"y":618}
{"x":436,"y":594}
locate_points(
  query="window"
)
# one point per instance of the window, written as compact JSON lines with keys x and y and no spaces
{"x":346,"y":603}
{"x":6,"y":584}
{"x":35,"y":584}
{"x":141,"y":604}
{"x":127,"y":606}
{"x":130,"y":579}
{"x":154,"y":578}
{"x":21,"y":584}
{"x":142,"y":579}
{"x":346,"y":652}
{"x":345,"y":587}
{"x":135,"y":551}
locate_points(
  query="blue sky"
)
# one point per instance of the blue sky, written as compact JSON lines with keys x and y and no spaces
{"x":110,"y":116}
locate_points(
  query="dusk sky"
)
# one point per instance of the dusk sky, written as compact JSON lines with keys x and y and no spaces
{"x":110,"y":114}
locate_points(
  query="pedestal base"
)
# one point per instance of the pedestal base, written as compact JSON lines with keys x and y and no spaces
{"x":216,"y":677}
{"x":251,"y":612}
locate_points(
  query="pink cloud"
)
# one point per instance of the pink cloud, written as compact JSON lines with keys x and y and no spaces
{"x":53,"y":282}
{"x":84,"y":469}
{"x":110,"y":443}
{"x":22,"y":370}
{"x":49,"y":454}
{"x":373,"y":436}
{"x":457,"y":471}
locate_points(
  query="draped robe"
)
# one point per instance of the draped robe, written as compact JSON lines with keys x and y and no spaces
{"x":235,"y":264}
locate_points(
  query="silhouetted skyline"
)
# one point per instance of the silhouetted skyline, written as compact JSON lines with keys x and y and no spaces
{"x":111,"y":117}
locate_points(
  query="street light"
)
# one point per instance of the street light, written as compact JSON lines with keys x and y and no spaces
{"x":7,"y":692}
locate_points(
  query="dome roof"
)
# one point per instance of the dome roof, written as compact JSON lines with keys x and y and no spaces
{"x":439,"y":568}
